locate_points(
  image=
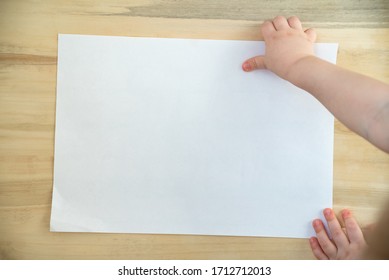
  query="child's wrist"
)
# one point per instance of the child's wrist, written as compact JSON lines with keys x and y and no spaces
{"x":297,"y":72}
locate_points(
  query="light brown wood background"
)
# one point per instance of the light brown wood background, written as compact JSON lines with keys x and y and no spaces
{"x":28,"y":50}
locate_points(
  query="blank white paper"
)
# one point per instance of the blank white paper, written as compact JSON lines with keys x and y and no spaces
{"x":170,"y":136}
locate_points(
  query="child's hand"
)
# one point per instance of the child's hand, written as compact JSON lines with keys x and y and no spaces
{"x":347,"y":243}
{"x":286,"y":43}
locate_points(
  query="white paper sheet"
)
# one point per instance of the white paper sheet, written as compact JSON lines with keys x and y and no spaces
{"x":170,"y":136}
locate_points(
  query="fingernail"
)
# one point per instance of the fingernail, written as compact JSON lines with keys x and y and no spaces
{"x":246,"y":66}
{"x":327,"y":213}
{"x":346,"y":213}
{"x":317,"y":225}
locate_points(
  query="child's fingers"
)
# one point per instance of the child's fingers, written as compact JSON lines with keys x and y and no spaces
{"x":311,"y":33}
{"x":338,"y":235}
{"x":354,"y":232}
{"x":280,"y":23}
{"x":325,"y":243}
{"x":256,"y":62}
{"x":316,"y":249}
{"x":267,"y":28}
{"x":295,"y":23}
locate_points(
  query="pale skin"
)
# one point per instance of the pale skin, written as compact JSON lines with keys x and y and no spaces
{"x":359,"y":102}
{"x":346,"y":243}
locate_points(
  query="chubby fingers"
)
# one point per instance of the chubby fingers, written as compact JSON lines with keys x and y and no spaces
{"x":354,"y":232}
{"x":295,"y":23}
{"x":316,"y":249}
{"x":346,"y":243}
{"x":256,"y":62}
{"x":311,"y":34}
{"x":338,"y":247}
{"x":338,"y":235}
{"x":280,"y":23}
{"x":327,"y":246}
{"x":268,"y":29}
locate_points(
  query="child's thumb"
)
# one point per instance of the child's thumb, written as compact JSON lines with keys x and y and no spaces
{"x":256,"y":62}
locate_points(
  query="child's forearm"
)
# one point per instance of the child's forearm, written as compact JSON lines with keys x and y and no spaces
{"x":360,"y":102}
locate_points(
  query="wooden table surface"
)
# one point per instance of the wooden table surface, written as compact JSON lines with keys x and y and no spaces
{"x":28,"y":57}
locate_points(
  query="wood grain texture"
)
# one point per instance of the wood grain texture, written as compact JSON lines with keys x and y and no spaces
{"x":28,"y":50}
